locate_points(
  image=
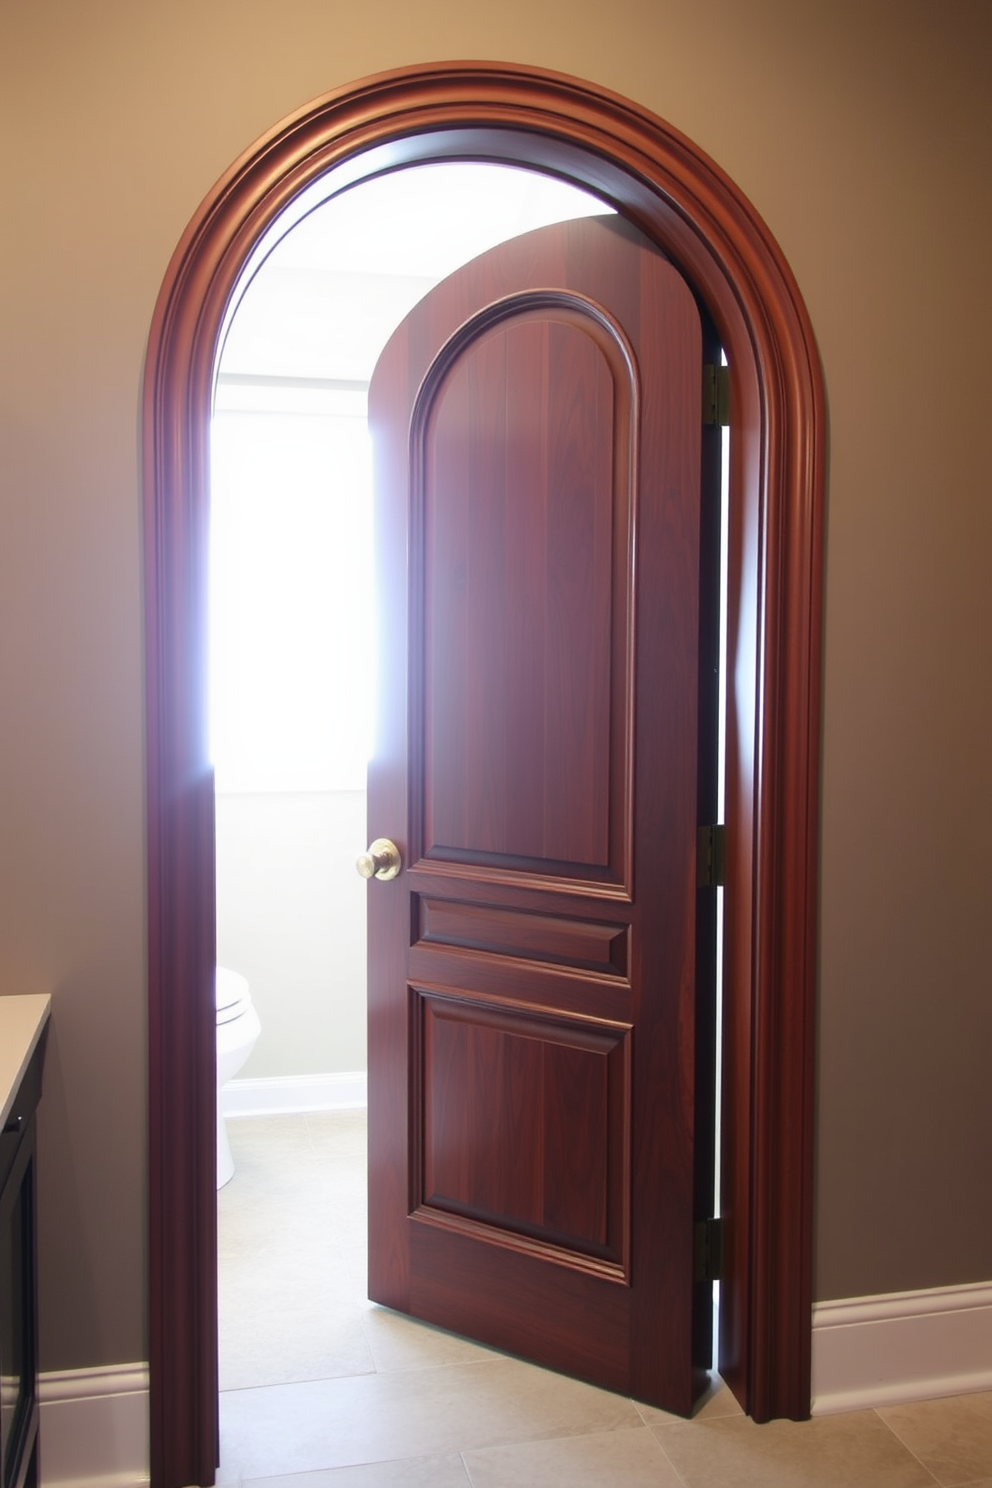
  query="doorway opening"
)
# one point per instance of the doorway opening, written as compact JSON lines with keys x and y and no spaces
{"x":292,"y":606}
{"x":686,"y":205}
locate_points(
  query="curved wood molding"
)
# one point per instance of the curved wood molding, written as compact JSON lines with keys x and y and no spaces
{"x":684,"y":202}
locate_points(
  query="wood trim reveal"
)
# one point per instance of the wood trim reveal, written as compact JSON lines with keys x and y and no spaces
{"x":681,"y":199}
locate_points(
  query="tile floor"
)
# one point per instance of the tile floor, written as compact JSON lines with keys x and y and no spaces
{"x":321,"y":1389}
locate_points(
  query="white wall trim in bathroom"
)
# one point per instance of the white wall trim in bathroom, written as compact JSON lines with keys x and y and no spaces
{"x":870,"y":1351}
{"x":279,"y":1095}
{"x":94,"y":1427}
{"x":867,"y":1351}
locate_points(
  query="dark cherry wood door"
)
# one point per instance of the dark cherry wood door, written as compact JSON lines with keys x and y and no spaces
{"x":536,"y":428}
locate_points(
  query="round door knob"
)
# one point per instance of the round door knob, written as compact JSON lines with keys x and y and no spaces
{"x":381,"y":861}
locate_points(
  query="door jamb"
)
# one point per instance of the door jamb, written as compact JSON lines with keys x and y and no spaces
{"x":687,"y":205}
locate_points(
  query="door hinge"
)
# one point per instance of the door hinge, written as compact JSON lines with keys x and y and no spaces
{"x":716,"y":394}
{"x":711,"y":856}
{"x":707,"y":1250}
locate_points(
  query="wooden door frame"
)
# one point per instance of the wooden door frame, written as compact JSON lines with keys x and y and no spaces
{"x":687,"y":205}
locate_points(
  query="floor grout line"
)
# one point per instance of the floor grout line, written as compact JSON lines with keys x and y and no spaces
{"x":907,"y":1448}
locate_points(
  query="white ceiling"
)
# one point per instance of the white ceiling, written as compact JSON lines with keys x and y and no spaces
{"x":330,"y":294}
{"x":427,"y":220}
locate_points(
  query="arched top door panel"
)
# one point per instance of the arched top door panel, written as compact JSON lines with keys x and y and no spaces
{"x":483,"y":369}
{"x":686,"y":205}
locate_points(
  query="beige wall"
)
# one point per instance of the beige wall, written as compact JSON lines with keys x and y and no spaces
{"x":862,"y":133}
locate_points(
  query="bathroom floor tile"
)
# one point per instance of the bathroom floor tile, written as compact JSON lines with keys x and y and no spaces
{"x":323,"y":1389}
{"x":295,"y":1344}
{"x":628,"y":1458}
{"x":843,"y":1451}
{"x":410,"y":1472}
{"x":329,"y":1300}
{"x":342,"y":1131}
{"x":952,"y":1437}
{"x":407,"y":1413}
{"x":257,"y":1140}
{"x":400,"y":1342}
{"x":297,"y":1202}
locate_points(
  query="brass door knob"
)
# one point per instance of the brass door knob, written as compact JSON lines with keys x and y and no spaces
{"x":381,"y":861}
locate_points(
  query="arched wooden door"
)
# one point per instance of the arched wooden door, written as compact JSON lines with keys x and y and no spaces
{"x":684,"y":203}
{"x":537,"y":428}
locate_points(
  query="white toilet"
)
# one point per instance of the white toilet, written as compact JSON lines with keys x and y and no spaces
{"x":237,"y":1031}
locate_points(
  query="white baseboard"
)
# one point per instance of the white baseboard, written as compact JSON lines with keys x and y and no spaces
{"x":870,"y":1351}
{"x":867,"y":1351}
{"x":93,"y":1427}
{"x":281,"y":1095}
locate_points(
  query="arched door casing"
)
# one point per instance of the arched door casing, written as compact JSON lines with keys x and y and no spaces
{"x":686,"y":204}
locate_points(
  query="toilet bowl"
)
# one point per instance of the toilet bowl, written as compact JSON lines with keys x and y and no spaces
{"x":237,"y":1030}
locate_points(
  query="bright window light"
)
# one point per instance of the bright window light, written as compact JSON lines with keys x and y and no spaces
{"x":292,"y":645}
{"x":292,"y":640}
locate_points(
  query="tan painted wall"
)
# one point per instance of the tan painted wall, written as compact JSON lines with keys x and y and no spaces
{"x":862,"y":132}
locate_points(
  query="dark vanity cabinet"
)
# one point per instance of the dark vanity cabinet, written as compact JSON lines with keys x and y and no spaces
{"x":18,"y":1289}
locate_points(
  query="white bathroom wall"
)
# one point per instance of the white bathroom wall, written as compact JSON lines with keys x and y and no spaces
{"x":291,"y":918}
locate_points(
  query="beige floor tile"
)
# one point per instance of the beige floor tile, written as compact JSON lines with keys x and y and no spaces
{"x":277,"y":1327}
{"x":296,"y":1166}
{"x":323,"y":1390}
{"x":272,"y":1130}
{"x":848,"y":1451}
{"x":614,"y":1459}
{"x":351,"y":1226}
{"x":407,"y":1413}
{"x":399,"y":1342}
{"x":265,"y":1209}
{"x":412,"y":1472}
{"x":271,"y":1270}
{"x":311,"y":1229}
{"x":296,"y":1344}
{"x":257,"y":1140}
{"x":343,"y":1130}
{"x":261,"y":1322}
{"x":952,"y":1437}
{"x":312,"y":1254}
{"x":275,"y":1144}
{"x":354,"y":1263}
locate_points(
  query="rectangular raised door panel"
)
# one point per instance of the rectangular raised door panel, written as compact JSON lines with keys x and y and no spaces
{"x":525,"y":1128}
{"x":558,"y":939}
{"x":536,"y":436}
